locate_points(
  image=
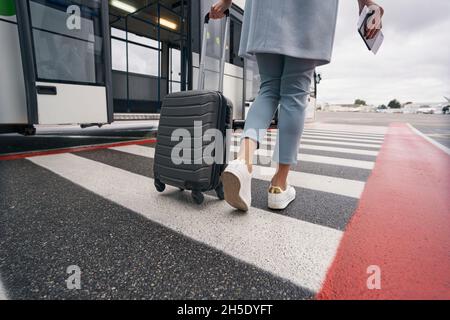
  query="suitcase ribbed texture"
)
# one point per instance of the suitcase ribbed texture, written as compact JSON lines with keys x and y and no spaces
{"x":181,"y":111}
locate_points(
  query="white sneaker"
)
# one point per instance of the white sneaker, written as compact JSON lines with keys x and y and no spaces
{"x":279,"y":199}
{"x":237,"y":185}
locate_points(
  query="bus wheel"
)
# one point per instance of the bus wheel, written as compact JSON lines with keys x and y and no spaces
{"x":29,"y":131}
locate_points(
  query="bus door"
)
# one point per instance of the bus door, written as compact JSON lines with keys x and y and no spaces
{"x":66,"y":57}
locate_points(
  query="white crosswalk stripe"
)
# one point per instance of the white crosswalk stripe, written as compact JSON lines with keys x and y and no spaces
{"x":343,"y":136}
{"x":292,"y":249}
{"x":272,"y":142}
{"x":369,"y":165}
{"x":362,"y":131}
{"x":338,"y":137}
{"x":344,"y":187}
{"x":305,"y":146}
{"x":137,"y":150}
{"x":339,"y":150}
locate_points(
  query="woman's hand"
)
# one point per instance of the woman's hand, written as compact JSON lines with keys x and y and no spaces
{"x":374,"y":23}
{"x":217,"y":10}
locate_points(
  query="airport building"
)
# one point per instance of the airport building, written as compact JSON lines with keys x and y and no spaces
{"x":90,"y":62}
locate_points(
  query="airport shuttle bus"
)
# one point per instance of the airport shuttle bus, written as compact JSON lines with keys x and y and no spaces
{"x":55,"y":65}
{"x":151,"y":59}
{"x":95,"y":61}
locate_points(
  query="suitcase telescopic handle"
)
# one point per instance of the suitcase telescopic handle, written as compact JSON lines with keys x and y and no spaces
{"x":201,"y":76}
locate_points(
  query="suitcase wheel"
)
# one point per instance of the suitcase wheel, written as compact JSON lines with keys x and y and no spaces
{"x":198,"y":197}
{"x":160,"y":187}
{"x":219,"y":192}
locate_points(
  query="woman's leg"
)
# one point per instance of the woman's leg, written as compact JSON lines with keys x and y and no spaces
{"x":280,"y":177}
{"x":294,"y":90}
{"x":263,"y":109}
{"x":237,"y":177}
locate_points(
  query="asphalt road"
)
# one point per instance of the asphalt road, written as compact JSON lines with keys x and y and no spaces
{"x":99,"y":210}
{"x":437,"y":127}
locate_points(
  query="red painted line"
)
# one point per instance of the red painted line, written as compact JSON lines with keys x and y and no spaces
{"x":402,"y":225}
{"x":22,"y":155}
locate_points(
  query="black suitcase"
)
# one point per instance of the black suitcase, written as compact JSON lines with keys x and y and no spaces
{"x":180,"y":111}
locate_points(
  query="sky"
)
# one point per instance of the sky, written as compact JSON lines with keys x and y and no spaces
{"x":412,"y":65}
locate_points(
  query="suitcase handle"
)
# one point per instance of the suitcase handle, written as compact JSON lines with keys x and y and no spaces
{"x":226,"y":13}
{"x":201,"y":75}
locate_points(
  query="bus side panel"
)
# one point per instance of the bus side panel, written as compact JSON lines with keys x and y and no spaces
{"x":68,"y":106}
{"x":13,"y":104}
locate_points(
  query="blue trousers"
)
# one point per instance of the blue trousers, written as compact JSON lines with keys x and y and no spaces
{"x":285,"y":85}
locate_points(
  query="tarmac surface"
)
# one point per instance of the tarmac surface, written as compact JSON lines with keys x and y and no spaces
{"x":97,"y":208}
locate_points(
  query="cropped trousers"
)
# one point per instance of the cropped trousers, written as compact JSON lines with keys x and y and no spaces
{"x":285,"y":86}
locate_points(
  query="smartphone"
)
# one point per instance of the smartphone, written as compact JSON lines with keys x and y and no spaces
{"x":372,"y":44}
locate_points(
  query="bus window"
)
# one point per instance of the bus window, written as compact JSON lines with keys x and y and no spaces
{"x":65,"y":54}
{"x":235,"y":39}
{"x":142,"y":53}
{"x":174,"y":70}
{"x":142,"y":60}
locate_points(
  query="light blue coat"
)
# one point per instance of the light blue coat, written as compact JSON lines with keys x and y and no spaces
{"x":297,"y":28}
